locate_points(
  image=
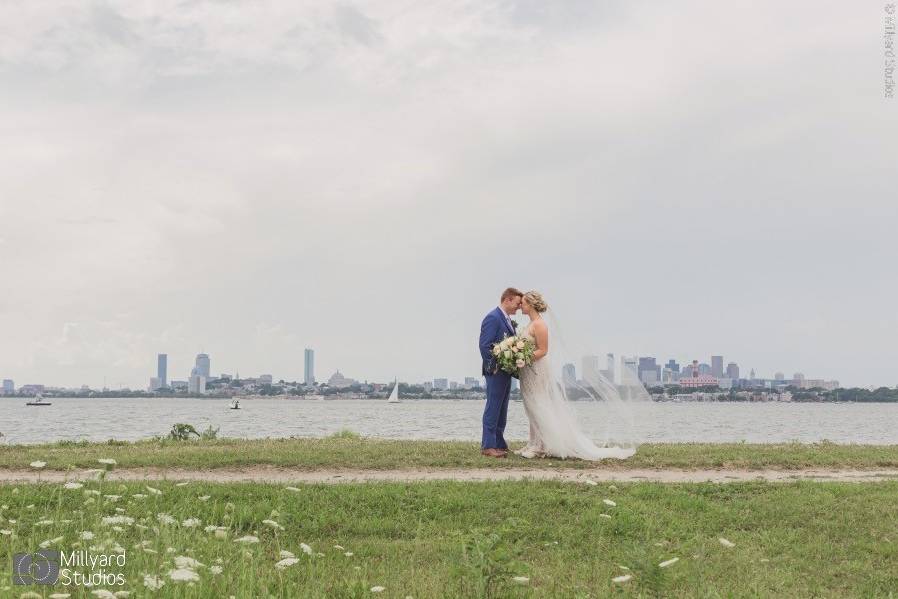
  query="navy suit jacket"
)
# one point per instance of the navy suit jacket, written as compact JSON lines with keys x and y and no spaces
{"x":493,"y":329}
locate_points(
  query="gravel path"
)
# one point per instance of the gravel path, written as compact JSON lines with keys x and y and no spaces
{"x":269,"y":474}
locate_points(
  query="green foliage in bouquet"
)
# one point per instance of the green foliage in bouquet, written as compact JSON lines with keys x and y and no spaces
{"x":514,"y":353}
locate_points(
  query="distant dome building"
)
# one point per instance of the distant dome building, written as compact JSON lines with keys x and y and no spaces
{"x":338,"y":381}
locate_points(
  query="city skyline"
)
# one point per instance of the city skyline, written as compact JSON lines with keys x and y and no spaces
{"x":337,"y":178}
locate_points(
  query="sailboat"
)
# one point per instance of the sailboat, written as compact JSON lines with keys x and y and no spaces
{"x":394,"y":396}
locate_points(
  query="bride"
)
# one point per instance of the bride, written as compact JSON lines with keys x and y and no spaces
{"x":553,"y":425}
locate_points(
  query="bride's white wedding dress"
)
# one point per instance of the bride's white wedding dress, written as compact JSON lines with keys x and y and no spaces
{"x":553,"y":425}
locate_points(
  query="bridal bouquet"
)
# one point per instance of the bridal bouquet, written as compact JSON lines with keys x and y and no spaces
{"x":514,"y":353}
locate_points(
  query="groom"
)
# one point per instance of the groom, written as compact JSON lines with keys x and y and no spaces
{"x":495,"y":327}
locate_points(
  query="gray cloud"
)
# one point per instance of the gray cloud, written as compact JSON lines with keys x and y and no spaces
{"x":250,"y":179}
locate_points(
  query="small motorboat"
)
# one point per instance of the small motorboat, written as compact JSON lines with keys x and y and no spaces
{"x":235,"y":405}
{"x":38,"y":401}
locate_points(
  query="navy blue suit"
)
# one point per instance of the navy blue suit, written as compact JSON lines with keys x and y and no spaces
{"x":494,"y":329}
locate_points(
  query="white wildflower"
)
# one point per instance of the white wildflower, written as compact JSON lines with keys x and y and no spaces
{"x":306,"y":549}
{"x":103,"y":594}
{"x":154,"y":491}
{"x":726,"y":543}
{"x":37,"y":464}
{"x":669,"y":562}
{"x":216,"y":569}
{"x":153,"y":582}
{"x":520,"y":579}
{"x":286,"y":562}
{"x":191,"y":523}
{"x":204,"y":497}
{"x":183,"y":575}
{"x":248,"y":539}
{"x":623,"y":578}
{"x":378,"y":589}
{"x":72,"y":485}
{"x":126,"y":520}
{"x":107,"y":461}
{"x":182,"y":562}
{"x":609,"y":502}
{"x":272,"y":524}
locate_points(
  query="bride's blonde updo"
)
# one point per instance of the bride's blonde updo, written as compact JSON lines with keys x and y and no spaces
{"x":536,"y":301}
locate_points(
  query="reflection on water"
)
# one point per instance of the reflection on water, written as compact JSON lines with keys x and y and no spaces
{"x":129,"y":419}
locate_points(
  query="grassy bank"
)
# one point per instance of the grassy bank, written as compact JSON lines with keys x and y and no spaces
{"x":350,"y":451}
{"x":457,"y":539}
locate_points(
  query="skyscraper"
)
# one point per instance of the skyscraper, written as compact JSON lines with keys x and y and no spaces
{"x":309,"y":377}
{"x":590,"y":370}
{"x":717,"y":366}
{"x":569,"y":375}
{"x":162,"y":369}
{"x":9,"y":387}
{"x":733,"y":371}
{"x":648,"y":371}
{"x":202,"y":365}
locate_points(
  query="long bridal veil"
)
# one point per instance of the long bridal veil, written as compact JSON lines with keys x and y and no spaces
{"x":601,"y":388}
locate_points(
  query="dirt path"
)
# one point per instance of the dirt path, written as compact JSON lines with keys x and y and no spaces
{"x":269,"y":474}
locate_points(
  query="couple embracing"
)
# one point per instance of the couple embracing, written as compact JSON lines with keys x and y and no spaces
{"x":554,"y":431}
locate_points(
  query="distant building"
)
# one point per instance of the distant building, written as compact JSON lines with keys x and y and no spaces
{"x":779,"y":376}
{"x":453,"y":386}
{"x":309,"y":367}
{"x":590,"y":368}
{"x":155,"y":384}
{"x":628,"y":369}
{"x":472,"y":382}
{"x":441,"y":384}
{"x":569,"y":375}
{"x":609,"y":367}
{"x":696,"y":379}
{"x":338,"y":381}
{"x":31,"y":389}
{"x":202,"y":365}
{"x":179,"y":385}
{"x":428,"y":387}
{"x":717,"y":366}
{"x":673,"y":365}
{"x":196,"y":383}
{"x":733,"y":371}
{"x":798,"y":379}
{"x":9,"y":387}
{"x":648,"y":371}
{"x":162,"y":369}
{"x":265,"y":379}
{"x":704,"y":368}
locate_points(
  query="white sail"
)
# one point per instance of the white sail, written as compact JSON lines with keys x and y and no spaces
{"x":394,"y":396}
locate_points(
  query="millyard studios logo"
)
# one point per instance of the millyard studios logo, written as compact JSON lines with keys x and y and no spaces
{"x":40,"y":567}
{"x":50,"y":566}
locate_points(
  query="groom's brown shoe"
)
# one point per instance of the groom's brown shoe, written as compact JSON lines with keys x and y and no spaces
{"x":493,"y":453}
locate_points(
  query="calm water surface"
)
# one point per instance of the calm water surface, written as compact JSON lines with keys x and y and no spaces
{"x":130,"y":419}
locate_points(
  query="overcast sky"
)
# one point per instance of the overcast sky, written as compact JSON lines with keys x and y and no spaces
{"x":253,"y":178}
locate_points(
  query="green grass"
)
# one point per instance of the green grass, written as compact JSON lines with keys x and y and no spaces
{"x":791,"y":540}
{"x":353,"y":452}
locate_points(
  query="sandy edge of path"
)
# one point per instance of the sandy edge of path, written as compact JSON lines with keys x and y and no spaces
{"x":270,"y":474}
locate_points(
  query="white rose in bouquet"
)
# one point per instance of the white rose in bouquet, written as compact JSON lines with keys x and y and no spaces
{"x":497,"y":350}
{"x":519,"y":345}
{"x":520,"y":363}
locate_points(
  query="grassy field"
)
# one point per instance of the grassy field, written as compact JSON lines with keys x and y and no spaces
{"x":452,"y":539}
{"x":351,"y":451}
